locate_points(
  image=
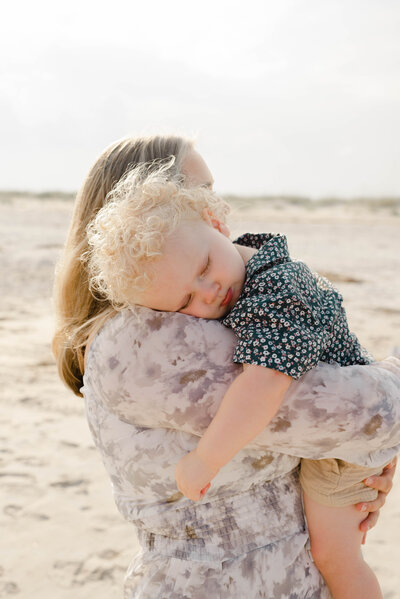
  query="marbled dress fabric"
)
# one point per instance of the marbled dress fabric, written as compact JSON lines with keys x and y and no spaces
{"x":152,"y":384}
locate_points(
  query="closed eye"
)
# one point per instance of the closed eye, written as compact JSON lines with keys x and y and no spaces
{"x":205,"y":269}
{"x":190,"y":297}
{"x":186,"y":304}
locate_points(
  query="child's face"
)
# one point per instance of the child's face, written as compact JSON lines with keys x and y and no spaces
{"x":200,"y":273}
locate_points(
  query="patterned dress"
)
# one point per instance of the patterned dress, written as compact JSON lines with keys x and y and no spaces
{"x":152,"y":384}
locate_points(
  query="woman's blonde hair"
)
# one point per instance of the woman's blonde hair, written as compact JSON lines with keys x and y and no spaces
{"x":79,"y":314}
{"x":130,"y":231}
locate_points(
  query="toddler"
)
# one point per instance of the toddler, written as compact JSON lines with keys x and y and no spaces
{"x":165,"y":247}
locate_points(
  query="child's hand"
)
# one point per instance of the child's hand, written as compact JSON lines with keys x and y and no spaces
{"x":193,"y":476}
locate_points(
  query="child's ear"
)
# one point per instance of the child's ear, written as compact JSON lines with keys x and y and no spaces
{"x":212,"y":220}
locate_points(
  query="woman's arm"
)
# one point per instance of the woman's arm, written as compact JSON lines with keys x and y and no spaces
{"x":172,"y":371}
{"x":383,"y":484}
{"x":350,"y":413}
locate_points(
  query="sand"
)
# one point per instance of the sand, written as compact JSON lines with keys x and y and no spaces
{"x":61,"y":533}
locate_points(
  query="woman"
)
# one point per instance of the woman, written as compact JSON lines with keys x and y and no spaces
{"x":152,"y":383}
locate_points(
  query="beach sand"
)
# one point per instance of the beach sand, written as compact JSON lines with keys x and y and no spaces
{"x":61,"y":533}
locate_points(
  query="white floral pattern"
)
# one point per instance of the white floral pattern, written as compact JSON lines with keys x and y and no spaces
{"x":288,"y":318}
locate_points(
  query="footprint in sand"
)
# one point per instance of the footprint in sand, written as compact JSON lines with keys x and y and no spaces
{"x":8,"y":587}
{"x":31,"y":461}
{"x":80,"y":573}
{"x":69,"y":567}
{"x":26,"y":399}
{"x":108,"y":554}
{"x":12,"y":510}
{"x":66,"y":572}
{"x":18,"y":476}
{"x":64,"y":484}
{"x":69,"y":444}
{"x":37,"y":516}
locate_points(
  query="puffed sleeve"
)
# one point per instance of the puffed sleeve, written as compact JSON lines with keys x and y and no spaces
{"x":157,"y":369}
{"x":153,"y":382}
{"x":283,"y":335}
{"x":289,"y":319}
{"x":350,"y":413}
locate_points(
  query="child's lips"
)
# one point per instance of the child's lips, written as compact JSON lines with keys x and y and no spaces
{"x":228,"y":297}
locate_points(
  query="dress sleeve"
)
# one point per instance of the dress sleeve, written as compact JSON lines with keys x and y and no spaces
{"x":280,"y":343}
{"x":350,"y":413}
{"x":156,"y":369}
{"x":172,"y":370}
{"x":283,"y":322}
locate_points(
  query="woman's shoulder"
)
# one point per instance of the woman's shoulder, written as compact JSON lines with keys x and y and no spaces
{"x":127,"y":326}
{"x":141,"y":328}
{"x":137,"y":360}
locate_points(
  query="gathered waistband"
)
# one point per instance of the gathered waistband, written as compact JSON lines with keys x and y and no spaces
{"x":225,"y":527}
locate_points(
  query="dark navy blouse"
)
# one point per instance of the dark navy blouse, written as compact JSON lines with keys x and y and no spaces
{"x":288,"y":318}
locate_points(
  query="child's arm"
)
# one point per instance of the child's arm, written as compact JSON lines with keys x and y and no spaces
{"x":247,"y":407}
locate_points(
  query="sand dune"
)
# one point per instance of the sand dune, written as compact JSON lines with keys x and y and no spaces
{"x":61,"y":534}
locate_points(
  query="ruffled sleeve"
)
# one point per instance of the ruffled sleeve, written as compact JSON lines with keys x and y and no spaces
{"x":287,"y":317}
{"x":157,"y":369}
{"x":282,"y":320}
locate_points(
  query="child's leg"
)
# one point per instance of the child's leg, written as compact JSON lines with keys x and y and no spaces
{"x":336,"y":550}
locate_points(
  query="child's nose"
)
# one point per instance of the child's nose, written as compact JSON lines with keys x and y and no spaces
{"x":210,"y":291}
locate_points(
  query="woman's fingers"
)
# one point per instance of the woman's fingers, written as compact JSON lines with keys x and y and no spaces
{"x":372,"y":506}
{"x":369,"y":522}
{"x":384,"y":482}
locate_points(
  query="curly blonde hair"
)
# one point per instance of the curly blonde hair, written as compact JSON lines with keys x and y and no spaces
{"x":129,"y":232}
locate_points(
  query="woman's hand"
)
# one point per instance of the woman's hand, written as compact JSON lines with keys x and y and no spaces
{"x":383,"y":484}
{"x":193,"y":476}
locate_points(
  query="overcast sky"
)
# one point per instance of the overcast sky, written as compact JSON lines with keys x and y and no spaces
{"x":285,"y":96}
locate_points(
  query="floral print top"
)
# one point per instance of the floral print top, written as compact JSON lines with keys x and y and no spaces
{"x":288,"y":318}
